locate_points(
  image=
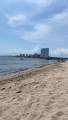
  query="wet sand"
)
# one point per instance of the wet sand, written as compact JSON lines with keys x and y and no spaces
{"x":35,"y":94}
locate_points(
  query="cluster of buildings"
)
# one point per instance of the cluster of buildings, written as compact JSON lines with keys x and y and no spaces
{"x":44,"y":54}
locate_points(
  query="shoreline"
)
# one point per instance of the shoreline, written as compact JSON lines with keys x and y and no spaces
{"x":27,"y":70}
{"x":13,"y":69}
{"x":24,"y":69}
{"x":35,"y":94}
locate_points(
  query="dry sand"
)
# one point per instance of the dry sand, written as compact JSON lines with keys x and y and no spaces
{"x":36,"y":94}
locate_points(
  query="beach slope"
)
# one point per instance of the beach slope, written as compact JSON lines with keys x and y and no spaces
{"x":35,"y":94}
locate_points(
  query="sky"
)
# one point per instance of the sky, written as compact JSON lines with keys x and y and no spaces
{"x":26,"y":26}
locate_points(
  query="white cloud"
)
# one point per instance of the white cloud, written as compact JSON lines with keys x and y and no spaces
{"x":61,"y":18}
{"x":41,"y":3}
{"x":40,"y":32}
{"x":4,"y":13}
{"x":36,"y":49}
{"x":59,"y":52}
{"x":17,"y":20}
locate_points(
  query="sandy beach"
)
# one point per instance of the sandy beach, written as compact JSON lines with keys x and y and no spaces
{"x":35,"y":94}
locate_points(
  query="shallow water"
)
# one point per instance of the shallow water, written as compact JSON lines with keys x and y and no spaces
{"x":13,"y":64}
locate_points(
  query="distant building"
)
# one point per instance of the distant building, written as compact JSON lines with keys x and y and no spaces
{"x":35,"y":55}
{"x":23,"y":55}
{"x":45,"y":52}
{"x":27,"y":55}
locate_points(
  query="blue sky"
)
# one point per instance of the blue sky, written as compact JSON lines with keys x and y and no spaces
{"x":27,"y":26}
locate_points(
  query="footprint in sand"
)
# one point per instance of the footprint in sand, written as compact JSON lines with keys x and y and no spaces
{"x":57,"y":115}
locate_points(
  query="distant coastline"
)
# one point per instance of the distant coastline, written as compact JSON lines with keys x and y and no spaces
{"x":33,"y":56}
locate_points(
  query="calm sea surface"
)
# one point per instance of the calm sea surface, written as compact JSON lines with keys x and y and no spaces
{"x":13,"y":64}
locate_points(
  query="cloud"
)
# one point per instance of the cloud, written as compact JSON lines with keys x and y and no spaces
{"x":17,"y":20}
{"x":4,"y":13}
{"x":59,"y":52}
{"x":61,"y":18}
{"x":40,"y":3}
{"x":39,"y":32}
{"x":36,"y":49}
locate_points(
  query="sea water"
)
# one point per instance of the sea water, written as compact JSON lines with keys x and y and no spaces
{"x":14,"y":64}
